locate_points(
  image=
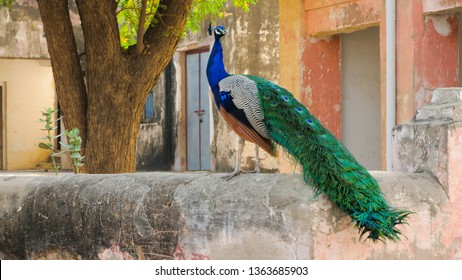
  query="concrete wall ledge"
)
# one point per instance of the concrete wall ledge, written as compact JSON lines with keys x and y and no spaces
{"x":198,"y":216}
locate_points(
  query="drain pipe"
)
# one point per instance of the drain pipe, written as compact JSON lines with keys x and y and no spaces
{"x":390,"y":8}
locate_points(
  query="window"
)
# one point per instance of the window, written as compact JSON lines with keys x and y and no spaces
{"x":148,"y":113}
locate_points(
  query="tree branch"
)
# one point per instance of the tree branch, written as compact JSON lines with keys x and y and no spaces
{"x":67,"y":73}
{"x":100,"y":29}
{"x":140,"y":32}
{"x":162,"y":39}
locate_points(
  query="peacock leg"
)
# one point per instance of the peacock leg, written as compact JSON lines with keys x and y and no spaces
{"x":257,"y":160}
{"x":237,"y":170}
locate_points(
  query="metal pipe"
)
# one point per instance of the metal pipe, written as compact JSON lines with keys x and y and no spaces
{"x":390,"y":8}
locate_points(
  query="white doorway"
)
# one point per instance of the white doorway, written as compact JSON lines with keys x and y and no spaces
{"x":361,"y":111}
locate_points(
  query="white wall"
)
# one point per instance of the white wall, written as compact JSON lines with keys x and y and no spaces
{"x":360,"y":59}
{"x":29,"y":89}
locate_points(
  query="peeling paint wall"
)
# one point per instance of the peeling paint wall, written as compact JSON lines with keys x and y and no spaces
{"x":427,"y":55}
{"x":325,"y":18}
{"x":21,"y":30}
{"x":321,"y":83}
{"x":460,"y":48}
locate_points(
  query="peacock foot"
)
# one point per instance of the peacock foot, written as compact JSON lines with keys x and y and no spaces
{"x":256,"y":171}
{"x":232,"y":175}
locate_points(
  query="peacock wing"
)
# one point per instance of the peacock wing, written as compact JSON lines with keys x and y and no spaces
{"x":244,"y":93}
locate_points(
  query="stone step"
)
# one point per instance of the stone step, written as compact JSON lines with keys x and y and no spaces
{"x":446,"y":95}
{"x":446,"y":111}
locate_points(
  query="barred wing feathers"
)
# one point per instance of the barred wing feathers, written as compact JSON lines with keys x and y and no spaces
{"x":244,"y":95}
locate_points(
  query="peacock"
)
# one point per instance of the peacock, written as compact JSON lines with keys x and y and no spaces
{"x":264,"y":113}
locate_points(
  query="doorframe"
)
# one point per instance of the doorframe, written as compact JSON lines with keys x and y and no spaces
{"x":185,"y":111}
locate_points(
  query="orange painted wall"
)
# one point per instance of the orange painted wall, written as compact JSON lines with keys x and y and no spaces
{"x":329,"y":17}
{"x":321,"y":84}
{"x":427,"y":57}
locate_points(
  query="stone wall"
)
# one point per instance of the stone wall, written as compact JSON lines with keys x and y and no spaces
{"x":198,"y":216}
{"x":432,"y":142}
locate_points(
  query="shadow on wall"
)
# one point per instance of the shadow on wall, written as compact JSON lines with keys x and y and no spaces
{"x":157,"y":139}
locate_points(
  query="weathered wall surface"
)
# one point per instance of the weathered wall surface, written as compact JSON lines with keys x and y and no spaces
{"x":198,"y":216}
{"x":432,"y":142}
{"x":427,"y":53}
{"x":324,"y":18}
{"x":157,"y":140}
{"x":21,"y":30}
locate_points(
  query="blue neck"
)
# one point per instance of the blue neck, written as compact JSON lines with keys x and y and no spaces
{"x":215,"y":67}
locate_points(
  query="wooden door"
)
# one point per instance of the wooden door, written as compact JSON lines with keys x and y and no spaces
{"x":198,"y":111}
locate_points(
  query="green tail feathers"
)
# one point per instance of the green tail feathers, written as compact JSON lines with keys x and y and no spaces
{"x":327,"y":164}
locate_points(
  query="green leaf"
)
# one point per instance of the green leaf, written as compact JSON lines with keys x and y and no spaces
{"x":45,"y":146}
{"x":128,"y":15}
{"x":67,"y":146}
{"x":6,"y":3}
{"x":76,"y":156}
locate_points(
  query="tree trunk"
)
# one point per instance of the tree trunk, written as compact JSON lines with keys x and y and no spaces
{"x":108,"y":110}
{"x":112,"y":134}
{"x":62,"y":47}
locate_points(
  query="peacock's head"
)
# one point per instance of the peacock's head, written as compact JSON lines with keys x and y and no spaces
{"x":219,"y":31}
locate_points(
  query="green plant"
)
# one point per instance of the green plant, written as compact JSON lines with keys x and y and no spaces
{"x":50,"y":127}
{"x":74,"y":147}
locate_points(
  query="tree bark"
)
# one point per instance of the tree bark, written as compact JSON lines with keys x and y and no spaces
{"x":68,"y":76}
{"x":108,"y":110}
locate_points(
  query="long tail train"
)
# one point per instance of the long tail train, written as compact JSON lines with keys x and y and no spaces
{"x":327,"y":164}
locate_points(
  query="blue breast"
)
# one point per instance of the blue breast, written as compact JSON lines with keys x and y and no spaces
{"x":215,"y":73}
